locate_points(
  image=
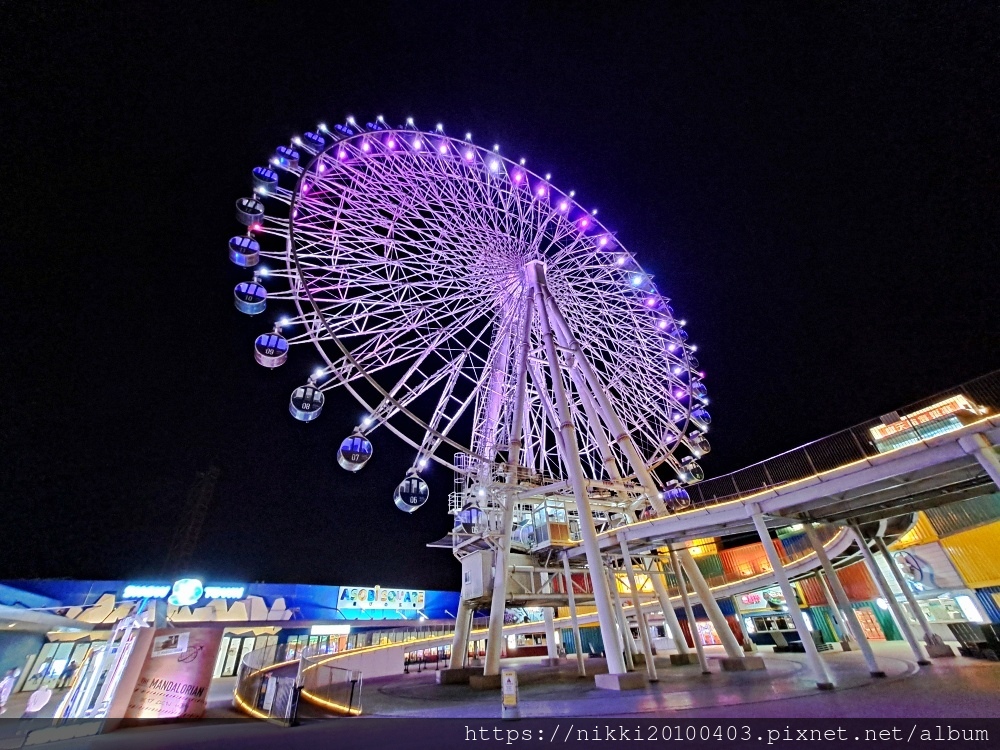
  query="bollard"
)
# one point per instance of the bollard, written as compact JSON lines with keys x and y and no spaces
{"x":508,"y":693}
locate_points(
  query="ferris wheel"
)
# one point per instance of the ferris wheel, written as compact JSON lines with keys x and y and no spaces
{"x":473,"y":309}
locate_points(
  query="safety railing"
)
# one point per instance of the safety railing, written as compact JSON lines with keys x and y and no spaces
{"x":329,"y":686}
{"x":264,"y":693}
{"x":916,"y":423}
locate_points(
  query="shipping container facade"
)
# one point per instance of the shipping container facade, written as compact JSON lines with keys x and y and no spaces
{"x":858,"y":583}
{"x":967,"y":514}
{"x":974,"y":555}
{"x":989,"y":598}
{"x":922,"y":532}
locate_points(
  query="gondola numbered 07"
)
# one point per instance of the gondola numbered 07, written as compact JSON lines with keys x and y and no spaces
{"x":354,"y":452}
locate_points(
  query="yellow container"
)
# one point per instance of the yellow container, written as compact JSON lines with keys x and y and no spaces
{"x":973,"y":554}
{"x":921,"y":533}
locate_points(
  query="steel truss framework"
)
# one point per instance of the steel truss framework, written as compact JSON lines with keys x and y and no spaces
{"x":491,"y":322}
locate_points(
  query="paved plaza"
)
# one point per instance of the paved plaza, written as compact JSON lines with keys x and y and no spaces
{"x":949,"y":689}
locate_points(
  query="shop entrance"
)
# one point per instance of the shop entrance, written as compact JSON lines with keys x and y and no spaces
{"x":234,"y":647}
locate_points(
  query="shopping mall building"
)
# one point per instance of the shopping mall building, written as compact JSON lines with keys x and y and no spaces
{"x":947,"y":557}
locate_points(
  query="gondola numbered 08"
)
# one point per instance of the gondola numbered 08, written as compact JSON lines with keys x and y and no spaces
{"x":306,"y":403}
{"x":354,"y":452}
{"x":411,"y":493}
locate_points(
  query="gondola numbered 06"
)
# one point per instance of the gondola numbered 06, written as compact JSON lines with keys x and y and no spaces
{"x":411,"y":493}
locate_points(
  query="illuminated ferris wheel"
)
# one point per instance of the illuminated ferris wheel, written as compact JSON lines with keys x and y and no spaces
{"x":474,"y":310}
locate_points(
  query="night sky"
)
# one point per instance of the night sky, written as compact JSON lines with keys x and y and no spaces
{"x":815,"y":185}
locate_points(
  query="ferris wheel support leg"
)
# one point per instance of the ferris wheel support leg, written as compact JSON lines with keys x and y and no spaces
{"x":625,"y":643}
{"x":647,"y":646}
{"x":460,"y":643}
{"x":577,"y":641}
{"x":657,"y":574}
{"x":571,"y":457}
{"x":712,"y":609}
{"x":682,"y":586}
{"x":494,"y":640}
{"x":607,"y":412}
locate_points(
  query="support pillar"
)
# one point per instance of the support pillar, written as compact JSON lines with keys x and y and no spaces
{"x":460,"y":643}
{"x":733,"y":649}
{"x":535,"y":277}
{"x":842,"y":633}
{"x":625,"y":632}
{"x":688,"y":611}
{"x":846,"y":610}
{"x":577,"y":641}
{"x":823,"y":680}
{"x":897,"y":612}
{"x":647,"y":646}
{"x":658,"y":574}
{"x":935,"y":645}
{"x":551,"y":645}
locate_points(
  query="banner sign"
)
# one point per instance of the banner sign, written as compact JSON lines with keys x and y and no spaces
{"x":376,"y":597}
{"x":176,"y":675}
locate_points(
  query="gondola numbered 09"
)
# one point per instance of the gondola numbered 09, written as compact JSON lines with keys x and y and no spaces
{"x":411,"y":493}
{"x":306,"y":403}
{"x":270,"y":349}
{"x":354,"y":452}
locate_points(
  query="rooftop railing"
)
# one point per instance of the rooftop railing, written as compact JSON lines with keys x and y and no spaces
{"x":915,"y":423}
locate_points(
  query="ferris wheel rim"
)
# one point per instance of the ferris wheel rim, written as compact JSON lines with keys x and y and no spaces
{"x":302,"y":271}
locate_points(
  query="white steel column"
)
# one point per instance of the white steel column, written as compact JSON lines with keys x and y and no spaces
{"x":688,"y":610}
{"x":846,"y":610}
{"x":658,"y":574}
{"x":625,"y":632}
{"x":897,"y":612}
{"x":536,"y":279}
{"x":498,"y":602}
{"x":551,"y":645}
{"x":733,"y":649}
{"x":823,"y":680}
{"x":931,"y":638}
{"x":577,"y":641}
{"x":647,"y":646}
{"x":460,"y":643}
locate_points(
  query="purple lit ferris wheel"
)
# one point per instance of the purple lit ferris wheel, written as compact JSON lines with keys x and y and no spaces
{"x":474,"y":310}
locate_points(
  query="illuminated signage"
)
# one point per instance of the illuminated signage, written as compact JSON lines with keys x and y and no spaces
{"x":376,"y":597}
{"x":186,"y":591}
{"x":183,"y":593}
{"x":935,"y":411}
{"x":140,"y":591}
{"x":224,"y":592}
{"x":330,"y":630}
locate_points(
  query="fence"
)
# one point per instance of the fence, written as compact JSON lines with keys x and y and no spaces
{"x":264,"y":693}
{"x":915,"y":423}
{"x":332,"y":687}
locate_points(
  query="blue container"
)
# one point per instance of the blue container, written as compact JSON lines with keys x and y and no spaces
{"x":251,"y":297}
{"x":244,"y":251}
{"x":306,"y":403}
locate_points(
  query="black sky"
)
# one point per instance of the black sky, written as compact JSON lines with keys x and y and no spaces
{"x":814,"y":184}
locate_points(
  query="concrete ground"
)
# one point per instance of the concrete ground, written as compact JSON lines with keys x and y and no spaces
{"x":950,"y":688}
